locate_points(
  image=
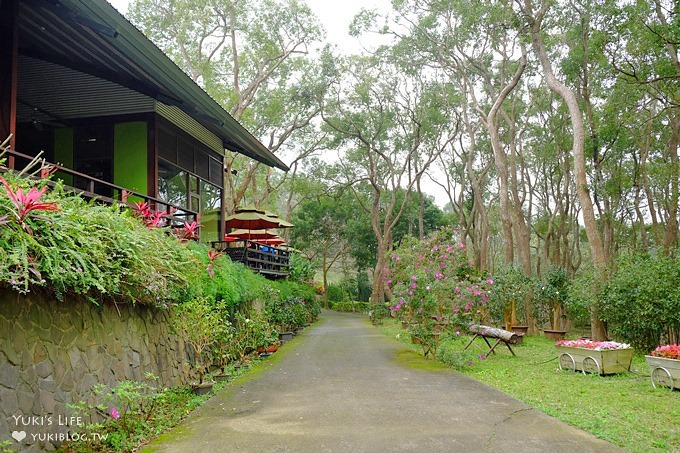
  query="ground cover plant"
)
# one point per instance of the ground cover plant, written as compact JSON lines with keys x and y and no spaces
{"x":623,"y":409}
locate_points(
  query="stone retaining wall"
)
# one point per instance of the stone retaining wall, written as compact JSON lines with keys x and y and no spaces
{"x":52,"y":354}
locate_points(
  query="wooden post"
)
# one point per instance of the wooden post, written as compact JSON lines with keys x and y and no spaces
{"x":9,"y":37}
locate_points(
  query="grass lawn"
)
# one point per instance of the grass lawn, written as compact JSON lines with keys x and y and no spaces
{"x":624,"y":409}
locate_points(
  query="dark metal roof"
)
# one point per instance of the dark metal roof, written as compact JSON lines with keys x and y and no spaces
{"x":92,"y":37}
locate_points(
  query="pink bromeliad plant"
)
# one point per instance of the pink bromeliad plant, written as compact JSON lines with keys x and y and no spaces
{"x":594,"y":345}
{"x":26,"y":204}
{"x":433,"y":280}
{"x":669,"y":351}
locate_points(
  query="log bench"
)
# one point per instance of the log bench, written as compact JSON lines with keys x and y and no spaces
{"x":501,"y":336}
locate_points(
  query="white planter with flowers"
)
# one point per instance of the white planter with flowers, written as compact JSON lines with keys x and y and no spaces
{"x":664,"y":366}
{"x":597,"y":357}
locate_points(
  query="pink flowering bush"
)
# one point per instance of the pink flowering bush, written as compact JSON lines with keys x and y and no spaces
{"x":433,"y":280}
{"x":594,"y":345}
{"x":669,"y":351}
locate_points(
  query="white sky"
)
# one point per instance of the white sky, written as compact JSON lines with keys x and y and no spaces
{"x":336,"y":16}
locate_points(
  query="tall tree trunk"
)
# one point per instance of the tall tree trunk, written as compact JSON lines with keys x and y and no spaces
{"x":522,"y":232}
{"x":502,"y":162}
{"x":578,"y":133}
{"x":478,"y":217}
{"x":670,"y":240}
{"x":671,"y":231}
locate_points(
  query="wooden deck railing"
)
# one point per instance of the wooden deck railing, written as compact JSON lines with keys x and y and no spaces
{"x":271,"y":262}
{"x":94,"y":189}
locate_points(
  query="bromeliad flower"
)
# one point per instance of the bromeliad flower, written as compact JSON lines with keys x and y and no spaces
{"x":26,"y":203}
{"x":212,"y":256}
{"x":191,"y":230}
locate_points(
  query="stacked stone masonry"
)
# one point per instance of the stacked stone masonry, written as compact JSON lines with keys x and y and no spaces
{"x":52,"y":353}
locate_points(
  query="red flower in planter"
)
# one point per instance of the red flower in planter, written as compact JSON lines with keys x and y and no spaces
{"x":670,"y":351}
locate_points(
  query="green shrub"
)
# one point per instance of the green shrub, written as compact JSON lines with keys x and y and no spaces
{"x":135,"y":412}
{"x":335,"y":293}
{"x":86,"y":249}
{"x":450,"y":352}
{"x":642,"y":299}
{"x":350,"y":306}
{"x":301,"y":268}
{"x":581,"y":296}
{"x":551,"y":296}
{"x":511,"y":296}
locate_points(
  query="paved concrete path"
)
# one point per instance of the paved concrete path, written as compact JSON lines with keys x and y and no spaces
{"x":339,"y":387}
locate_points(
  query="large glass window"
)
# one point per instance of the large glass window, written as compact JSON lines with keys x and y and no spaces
{"x":172,"y":184}
{"x":211,"y":200}
{"x":191,"y":176}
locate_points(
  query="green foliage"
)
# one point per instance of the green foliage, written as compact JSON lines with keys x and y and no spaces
{"x":134,"y":412}
{"x":510,"y":286}
{"x":336,"y":293}
{"x":88,"y":249}
{"x":253,"y":330}
{"x":200,"y":325}
{"x":551,"y":295}
{"x":230,"y":283}
{"x":349,"y":306}
{"x":642,"y":299}
{"x":450,"y":352}
{"x":301,"y":268}
{"x":290,"y":312}
{"x":354,"y":288}
{"x":581,"y":295}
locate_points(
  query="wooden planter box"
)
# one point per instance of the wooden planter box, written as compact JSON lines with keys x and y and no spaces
{"x":664,"y":372}
{"x":606,"y":361}
{"x":519,"y":329}
{"x":285,"y":336}
{"x":555,"y":334}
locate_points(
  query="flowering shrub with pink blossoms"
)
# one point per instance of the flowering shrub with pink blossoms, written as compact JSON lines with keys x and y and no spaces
{"x":594,"y":345}
{"x":433,"y":280}
{"x":669,"y":351}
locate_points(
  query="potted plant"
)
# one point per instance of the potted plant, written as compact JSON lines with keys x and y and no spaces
{"x":550,"y":305}
{"x":664,"y":366}
{"x":599,"y":357}
{"x":510,"y":298}
{"x":269,"y":340}
{"x":280,"y":314}
{"x":197,"y":324}
{"x":222,"y":349}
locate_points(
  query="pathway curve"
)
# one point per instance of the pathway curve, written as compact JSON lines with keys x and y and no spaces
{"x":339,"y":388}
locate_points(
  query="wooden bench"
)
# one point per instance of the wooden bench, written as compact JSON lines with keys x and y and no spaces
{"x":501,"y":336}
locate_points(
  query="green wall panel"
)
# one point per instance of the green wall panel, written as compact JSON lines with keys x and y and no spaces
{"x":63,"y":152}
{"x":130,"y":156}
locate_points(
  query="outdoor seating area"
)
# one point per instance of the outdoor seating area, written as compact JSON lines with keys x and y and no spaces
{"x":268,"y":260}
{"x":252,"y":243}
